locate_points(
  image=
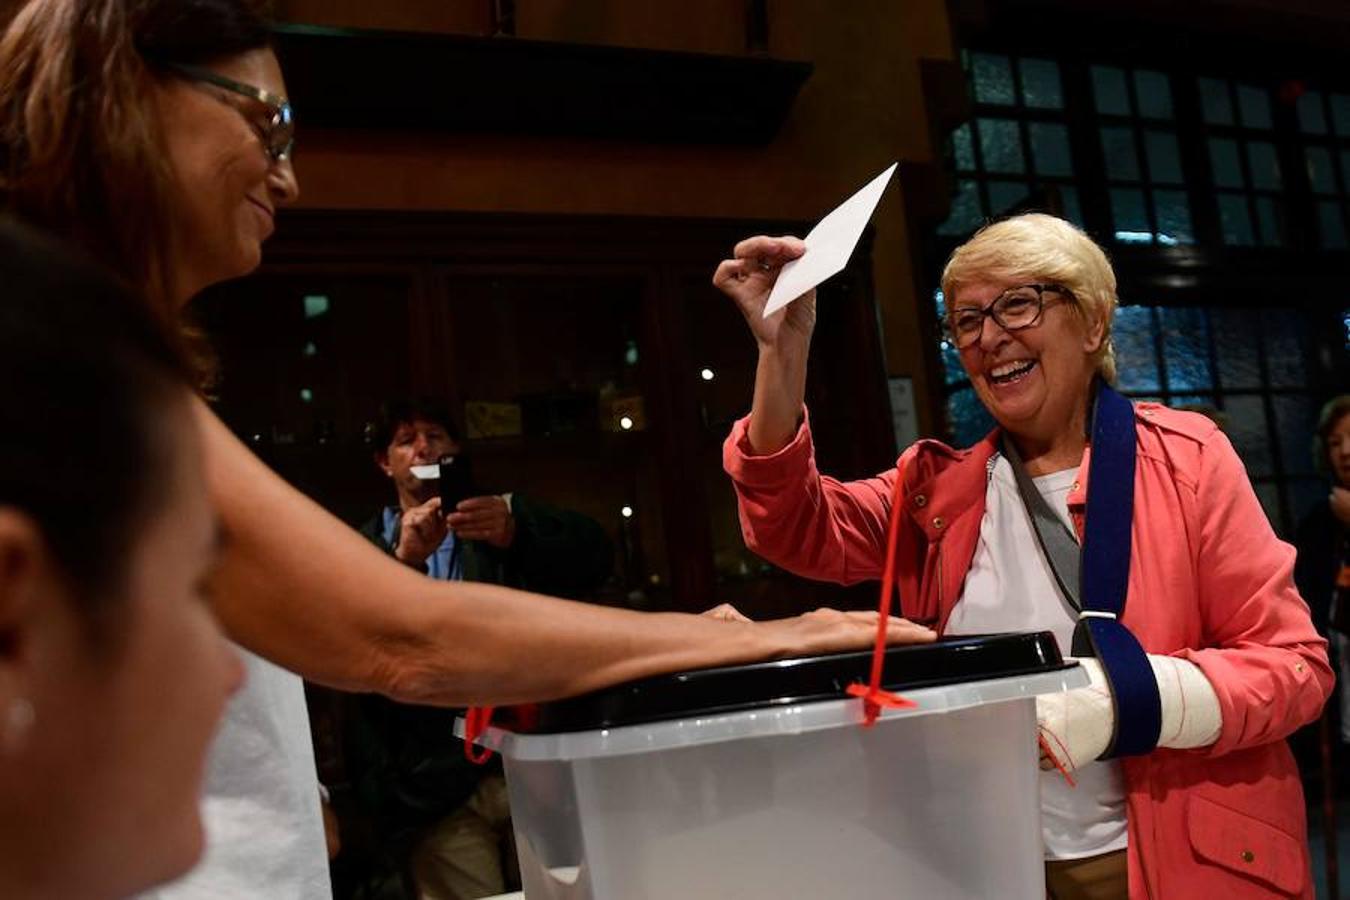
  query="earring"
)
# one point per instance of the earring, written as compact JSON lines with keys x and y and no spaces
{"x":18,"y":721}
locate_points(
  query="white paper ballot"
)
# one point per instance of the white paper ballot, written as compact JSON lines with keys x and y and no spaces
{"x":829,"y":245}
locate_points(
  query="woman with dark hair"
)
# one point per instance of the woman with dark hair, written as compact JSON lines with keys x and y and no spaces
{"x":156,"y":133}
{"x":113,"y":673}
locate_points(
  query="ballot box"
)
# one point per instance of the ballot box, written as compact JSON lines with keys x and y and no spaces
{"x":759,"y":782}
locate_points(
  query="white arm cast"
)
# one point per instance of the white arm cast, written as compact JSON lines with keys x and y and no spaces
{"x":1077,"y":724}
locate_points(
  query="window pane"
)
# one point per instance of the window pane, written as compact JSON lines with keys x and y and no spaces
{"x":968,"y":418}
{"x":1040,"y":84}
{"x":1186,"y":349}
{"x":1153,"y":94}
{"x":1206,"y":400}
{"x":1000,"y":145}
{"x":1305,"y":494}
{"x":1340,"y":113}
{"x":1108,"y":86}
{"x":1320,"y":175}
{"x":951,"y":363}
{"x":1004,"y":195}
{"x":1254,"y":106}
{"x":993,"y":79}
{"x":1268,"y":222}
{"x":1331,"y":225}
{"x":1247,"y":429}
{"x":1265,"y":166}
{"x":966,"y":214}
{"x":1122,"y":163}
{"x":1235,"y":348}
{"x":963,"y":151}
{"x":1164,"y":160}
{"x":1295,"y":422}
{"x":1131,"y":218}
{"x":1311,"y":117}
{"x":1174,"y":217}
{"x":1282,"y":333}
{"x":1073,"y":210}
{"x":1216,"y":106}
{"x":1235,"y":220}
{"x":1223,"y":159}
{"x":1136,"y":354}
{"x":1050,"y":149}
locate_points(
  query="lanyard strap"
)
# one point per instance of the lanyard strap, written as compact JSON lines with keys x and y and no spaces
{"x":1097,"y":579}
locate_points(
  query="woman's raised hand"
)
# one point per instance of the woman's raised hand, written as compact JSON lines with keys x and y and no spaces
{"x":748,"y":278}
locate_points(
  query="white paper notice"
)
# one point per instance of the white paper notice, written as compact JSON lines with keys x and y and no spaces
{"x":829,"y":245}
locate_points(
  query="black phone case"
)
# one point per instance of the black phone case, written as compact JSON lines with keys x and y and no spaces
{"x":456,"y":481}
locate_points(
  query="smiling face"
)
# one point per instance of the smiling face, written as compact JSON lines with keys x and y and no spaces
{"x":1034,"y":381}
{"x":226,"y":187}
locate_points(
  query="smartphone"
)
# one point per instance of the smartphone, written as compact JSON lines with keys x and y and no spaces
{"x":456,"y":481}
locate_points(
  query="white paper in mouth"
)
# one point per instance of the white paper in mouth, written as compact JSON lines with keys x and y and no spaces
{"x":426,"y":473}
{"x":829,"y":244}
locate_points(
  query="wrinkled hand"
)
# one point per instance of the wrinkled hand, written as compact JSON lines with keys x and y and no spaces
{"x":1340,"y":504}
{"x":422,"y":531}
{"x":486,"y":519}
{"x":725,"y":612}
{"x":831,"y":631}
{"x":748,"y":278}
{"x":1076,"y":726}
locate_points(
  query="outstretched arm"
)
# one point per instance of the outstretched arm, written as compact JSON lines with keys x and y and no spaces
{"x":300,"y":588}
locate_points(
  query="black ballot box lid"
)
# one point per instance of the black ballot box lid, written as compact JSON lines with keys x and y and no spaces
{"x":702,"y":692}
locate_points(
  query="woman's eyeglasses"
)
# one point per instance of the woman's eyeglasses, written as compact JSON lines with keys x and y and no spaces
{"x":1014,"y":309}
{"x":278,"y":133}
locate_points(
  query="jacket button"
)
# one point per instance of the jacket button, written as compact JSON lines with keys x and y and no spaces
{"x":1248,"y":856}
{"x":1074,"y":486}
{"x":920,"y":500}
{"x":938,"y":521}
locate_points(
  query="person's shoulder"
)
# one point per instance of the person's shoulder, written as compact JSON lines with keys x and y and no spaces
{"x":930,"y":457}
{"x":1170,"y":424}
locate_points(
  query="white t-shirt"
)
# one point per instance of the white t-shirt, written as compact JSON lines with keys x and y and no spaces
{"x":1011,"y":587}
{"x":264,"y":828}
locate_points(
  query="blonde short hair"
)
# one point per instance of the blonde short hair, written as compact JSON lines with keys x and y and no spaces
{"x":1036,"y":247}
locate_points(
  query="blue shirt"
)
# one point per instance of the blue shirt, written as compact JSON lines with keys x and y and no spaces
{"x":444,"y":563}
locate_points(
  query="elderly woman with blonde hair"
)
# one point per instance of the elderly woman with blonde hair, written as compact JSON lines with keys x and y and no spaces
{"x":1129,"y":530}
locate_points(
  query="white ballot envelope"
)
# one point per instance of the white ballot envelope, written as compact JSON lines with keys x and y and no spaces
{"x":829,"y":245}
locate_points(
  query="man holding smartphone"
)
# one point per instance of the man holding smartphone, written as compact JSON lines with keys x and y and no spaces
{"x":446,"y":527}
{"x":434,"y":816}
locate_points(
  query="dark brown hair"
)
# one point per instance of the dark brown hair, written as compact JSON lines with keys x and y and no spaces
{"x":1336,"y":408}
{"x":81,"y":152}
{"x":89,"y":378}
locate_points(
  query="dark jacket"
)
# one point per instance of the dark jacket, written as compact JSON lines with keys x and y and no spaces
{"x":1323,"y":543}
{"x":407,"y":768}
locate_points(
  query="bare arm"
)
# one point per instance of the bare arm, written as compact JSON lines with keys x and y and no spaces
{"x":784,"y":338}
{"x":300,"y":588}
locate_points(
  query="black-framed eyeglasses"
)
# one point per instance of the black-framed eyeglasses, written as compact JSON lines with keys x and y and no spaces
{"x":278,"y":134}
{"x":1016,"y":308}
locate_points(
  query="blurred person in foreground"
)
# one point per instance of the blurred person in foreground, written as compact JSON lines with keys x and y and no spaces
{"x":113,"y":671}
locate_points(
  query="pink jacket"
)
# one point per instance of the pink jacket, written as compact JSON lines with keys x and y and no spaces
{"x":1209,"y":582}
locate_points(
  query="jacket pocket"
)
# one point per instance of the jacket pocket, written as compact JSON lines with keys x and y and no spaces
{"x":1245,"y":846}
